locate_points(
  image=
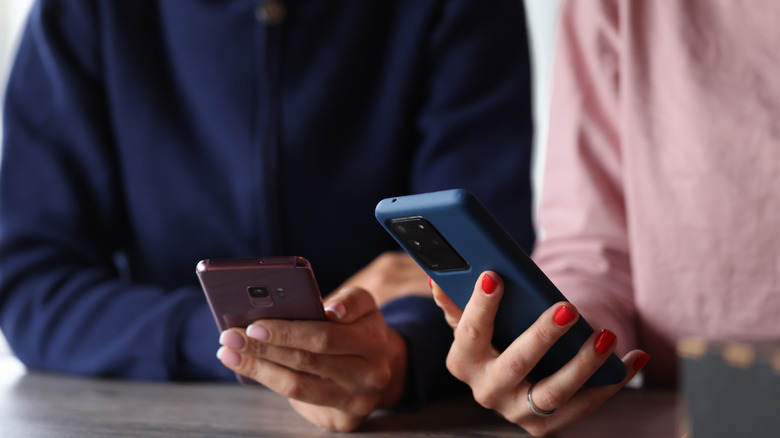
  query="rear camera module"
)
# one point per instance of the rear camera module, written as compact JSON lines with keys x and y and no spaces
{"x":258,"y":292}
{"x":426,"y":244}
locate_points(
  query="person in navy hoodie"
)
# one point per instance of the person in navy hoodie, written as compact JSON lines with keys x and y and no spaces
{"x":141,"y":136}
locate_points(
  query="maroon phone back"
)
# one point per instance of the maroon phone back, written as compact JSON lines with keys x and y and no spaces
{"x":241,"y":291}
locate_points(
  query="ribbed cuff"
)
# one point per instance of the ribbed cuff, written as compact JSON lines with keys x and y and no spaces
{"x":198,"y":344}
{"x":428,"y":338}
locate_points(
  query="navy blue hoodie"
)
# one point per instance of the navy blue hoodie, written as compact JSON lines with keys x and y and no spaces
{"x":141,"y":136}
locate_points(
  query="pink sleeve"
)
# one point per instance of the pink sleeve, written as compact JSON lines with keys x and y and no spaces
{"x":583,"y":243}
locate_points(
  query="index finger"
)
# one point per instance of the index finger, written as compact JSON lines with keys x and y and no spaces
{"x":452,"y":312}
{"x":474,"y":333}
{"x":325,"y":337}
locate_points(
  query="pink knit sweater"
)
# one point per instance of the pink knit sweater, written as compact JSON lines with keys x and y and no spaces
{"x":660,"y":213}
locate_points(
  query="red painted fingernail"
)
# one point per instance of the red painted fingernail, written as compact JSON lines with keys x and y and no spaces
{"x":430,"y":282}
{"x":488,"y":284}
{"x":563,"y":316}
{"x":604,"y":341}
{"x":641,"y":361}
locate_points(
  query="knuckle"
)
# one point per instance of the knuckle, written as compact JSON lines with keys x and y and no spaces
{"x":292,"y":388}
{"x":305,"y":360}
{"x":372,"y":333}
{"x":482,"y":400}
{"x":467,"y":331}
{"x":585,"y":367}
{"x":363,"y":405}
{"x":486,"y":399}
{"x":357,"y":294}
{"x":591,"y":406}
{"x":586,"y":362}
{"x":323,"y":341}
{"x":343,"y":423}
{"x":456,"y":367}
{"x":517,"y":416}
{"x":379,"y":377}
{"x":549,"y":400}
{"x":378,"y":332}
{"x":279,"y":336}
{"x":247,"y":368}
{"x":358,"y":298}
{"x":258,"y":349}
{"x":549,"y":397}
{"x":516,"y":365}
{"x":545,"y":334}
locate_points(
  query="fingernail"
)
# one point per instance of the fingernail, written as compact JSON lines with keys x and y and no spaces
{"x":336,"y":309}
{"x":257,"y":332}
{"x":430,"y":282}
{"x":641,"y":361}
{"x":604,"y":341}
{"x":229,"y":357}
{"x":488,"y":284}
{"x":563,"y":316}
{"x":231,"y":339}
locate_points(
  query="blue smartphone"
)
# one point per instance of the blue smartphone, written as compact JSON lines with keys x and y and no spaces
{"x":454,"y":238}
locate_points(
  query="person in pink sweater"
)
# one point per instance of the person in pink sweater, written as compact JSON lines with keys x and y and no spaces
{"x":660,"y":211}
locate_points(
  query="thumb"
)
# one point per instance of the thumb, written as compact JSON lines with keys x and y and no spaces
{"x":349,"y":304}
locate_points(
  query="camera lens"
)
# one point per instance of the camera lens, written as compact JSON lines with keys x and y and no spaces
{"x":258,"y":292}
{"x":427,"y":244}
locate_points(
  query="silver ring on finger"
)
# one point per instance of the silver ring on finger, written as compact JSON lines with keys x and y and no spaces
{"x":535,"y":409}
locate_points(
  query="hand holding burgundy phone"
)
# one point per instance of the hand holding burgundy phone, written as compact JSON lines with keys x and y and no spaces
{"x":243,"y":290}
{"x":334,"y":371}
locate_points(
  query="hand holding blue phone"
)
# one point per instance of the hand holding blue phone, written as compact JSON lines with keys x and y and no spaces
{"x":454,"y":238}
{"x":516,"y":336}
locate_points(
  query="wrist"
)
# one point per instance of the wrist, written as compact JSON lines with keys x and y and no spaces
{"x":396,"y":387}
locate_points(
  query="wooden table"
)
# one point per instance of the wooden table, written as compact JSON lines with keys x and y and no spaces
{"x":44,"y":405}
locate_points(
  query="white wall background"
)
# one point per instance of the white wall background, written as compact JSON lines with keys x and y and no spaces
{"x":541,"y":16}
{"x":12,"y":18}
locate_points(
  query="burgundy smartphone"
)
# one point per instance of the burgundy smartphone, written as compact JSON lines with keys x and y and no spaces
{"x":243,"y":290}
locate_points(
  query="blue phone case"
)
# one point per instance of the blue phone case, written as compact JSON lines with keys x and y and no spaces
{"x":483,"y":244}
